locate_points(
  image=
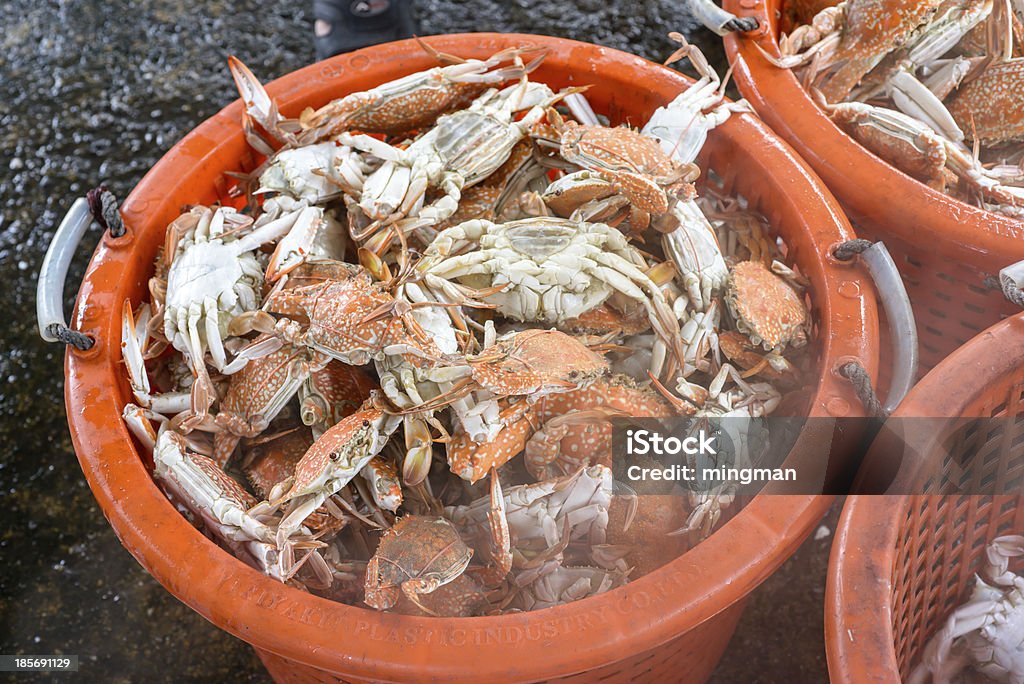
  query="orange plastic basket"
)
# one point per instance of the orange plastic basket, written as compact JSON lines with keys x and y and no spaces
{"x":948,"y":252}
{"x":901,"y":564}
{"x":671,"y":624}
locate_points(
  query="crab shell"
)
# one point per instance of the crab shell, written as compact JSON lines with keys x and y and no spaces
{"x":906,"y":143}
{"x":564,"y":195}
{"x":274,"y":461}
{"x":605,"y":319}
{"x":765,"y":307}
{"x":416,"y":100}
{"x":611,"y":151}
{"x":341,"y":312}
{"x":416,"y":556}
{"x":872,"y":29}
{"x":536,"y":362}
{"x":590,"y":443}
{"x":990,"y":106}
{"x":256,"y":394}
{"x":334,"y":392}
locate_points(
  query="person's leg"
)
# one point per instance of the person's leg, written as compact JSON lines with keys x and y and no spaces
{"x":345,"y":25}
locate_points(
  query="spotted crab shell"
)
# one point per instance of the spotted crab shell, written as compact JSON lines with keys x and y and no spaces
{"x":765,"y":307}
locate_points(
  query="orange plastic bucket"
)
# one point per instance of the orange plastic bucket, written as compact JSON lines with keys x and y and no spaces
{"x":671,"y":624}
{"x":901,"y":564}
{"x":948,"y":252}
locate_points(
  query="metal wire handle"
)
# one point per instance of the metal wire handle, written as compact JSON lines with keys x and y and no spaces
{"x":100,"y":204}
{"x":718,"y":20}
{"x":903,"y":328}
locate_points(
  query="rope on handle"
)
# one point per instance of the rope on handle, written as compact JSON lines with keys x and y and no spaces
{"x":861,"y":381}
{"x":79,"y":341}
{"x":103,"y":207}
{"x":896,"y":303}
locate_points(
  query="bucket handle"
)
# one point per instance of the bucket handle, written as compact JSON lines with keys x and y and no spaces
{"x":716,"y":19}
{"x":898,"y":312}
{"x":101,"y":205}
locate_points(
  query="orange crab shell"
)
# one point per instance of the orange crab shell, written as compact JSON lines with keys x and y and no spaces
{"x":765,"y":304}
{"x":604,"y":320}
{"x":367,"y":111}
{"x":590,"y":443}
{"x":344,"y":387}
{"x":243,"y":411}
{"x":349,"y":314}
{"x":418,"y":549}
{"x":274,"y":461}
{"x":534,"y":360}
{"x":635,"y":163}
{"x":872,"y":29}
{"x":649,"y":534}
{"x":621,"y":148}
{"x":990,"y":106}
{"x":350,"y":432}
{"x":923,"y":158}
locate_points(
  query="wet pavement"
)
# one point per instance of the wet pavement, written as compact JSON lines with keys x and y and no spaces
{"x":98,"y":91}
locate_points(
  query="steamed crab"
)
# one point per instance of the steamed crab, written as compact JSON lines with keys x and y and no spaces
{"x":212,"y":275}
{"x":331,"y":463}
{"x":551,"y":270}
{"x":635,"y":165}
{"x":462,"y":149}
{"x":766,"y":307}
{"x":416,"y":100}
{"x":417,"y":556}
{"x":225,"y":509}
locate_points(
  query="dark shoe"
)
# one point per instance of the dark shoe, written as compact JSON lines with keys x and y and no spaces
{"x":354,"y":24}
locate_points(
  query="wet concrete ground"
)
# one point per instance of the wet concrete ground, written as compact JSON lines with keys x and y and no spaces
{"x":96,"y":91}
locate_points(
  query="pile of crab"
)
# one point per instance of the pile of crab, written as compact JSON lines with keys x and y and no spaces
{"x":934,"y":87}
{"x":451,"y":256}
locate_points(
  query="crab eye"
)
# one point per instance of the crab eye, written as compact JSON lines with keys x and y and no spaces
{"x":335,"y":456}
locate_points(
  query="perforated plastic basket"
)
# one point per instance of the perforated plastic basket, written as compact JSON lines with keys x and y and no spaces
{"x":901,"y":564}
{"x":948,"y":252}
{"x":670,"y":625}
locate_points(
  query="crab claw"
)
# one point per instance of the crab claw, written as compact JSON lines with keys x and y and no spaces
{"x":258,"y":104}
{"x":385,"y":488}
{"x":419,"y":454}
{"x":293,"y":249}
